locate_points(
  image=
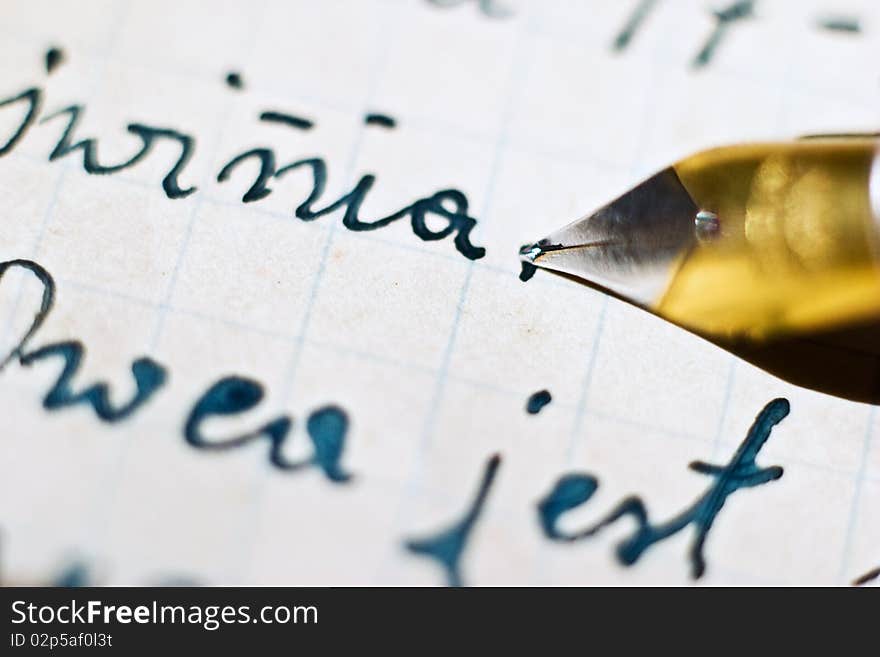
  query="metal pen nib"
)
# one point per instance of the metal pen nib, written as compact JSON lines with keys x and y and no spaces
{"x":628,"y":246}
{"x":752,"y":241}
{"x":769,"y":250}
{"x":531,"y":252}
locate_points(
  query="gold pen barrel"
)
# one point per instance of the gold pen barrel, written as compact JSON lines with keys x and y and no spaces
{"x":790,"y":239}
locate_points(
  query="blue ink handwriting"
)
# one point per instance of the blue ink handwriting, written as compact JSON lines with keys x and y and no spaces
{"x":724,"y":18}
{"x":537,"y":401}
{"x":327,"y":426}
{"x":449,"y":205}
{"x":632,"y":25}
{"x":447,"y":546}
{"x":231,"y":395}
{"x":574,"y":490}
{"x":149,"y":376}
{"x":287,"y":119}
{"x":234,"y":80}
{"x":147,"y":134}
{"x":54,"y":58}
{"x":382,"y":120}
{"x":488,"y":7}
{"x":846,"y":24}
{"x":527,"y":270}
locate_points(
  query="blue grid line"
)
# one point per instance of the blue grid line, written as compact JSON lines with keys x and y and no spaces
{"x":299,"y":342}
{"x":96,"y":82}
{"x":105,"y":519}
{"x":378,"y":69}
{"x":516,"y":77}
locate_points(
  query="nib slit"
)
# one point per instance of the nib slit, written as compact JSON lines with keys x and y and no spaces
{"x":529,"y":252}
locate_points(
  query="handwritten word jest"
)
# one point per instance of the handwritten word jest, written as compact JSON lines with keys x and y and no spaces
{"x":449,"y":205}
{"x":573,"y":490}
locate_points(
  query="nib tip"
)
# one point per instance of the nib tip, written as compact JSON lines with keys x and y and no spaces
{"x":530,"y":252}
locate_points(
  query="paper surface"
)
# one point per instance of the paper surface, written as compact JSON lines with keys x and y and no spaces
{"x":431,"y":355}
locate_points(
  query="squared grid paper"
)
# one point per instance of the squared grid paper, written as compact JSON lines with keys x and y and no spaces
{"x":432,"y":355}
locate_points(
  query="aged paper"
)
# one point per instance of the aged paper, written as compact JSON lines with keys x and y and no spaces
{"x":420,"y":354}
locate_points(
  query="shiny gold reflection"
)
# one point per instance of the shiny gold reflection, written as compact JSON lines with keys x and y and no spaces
{"x":796,"y":246}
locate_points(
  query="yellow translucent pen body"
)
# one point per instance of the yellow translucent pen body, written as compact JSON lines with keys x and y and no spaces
{"x":797,"y":241}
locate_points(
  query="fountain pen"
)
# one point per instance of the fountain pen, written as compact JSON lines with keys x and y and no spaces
{"x":749,"y":246}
